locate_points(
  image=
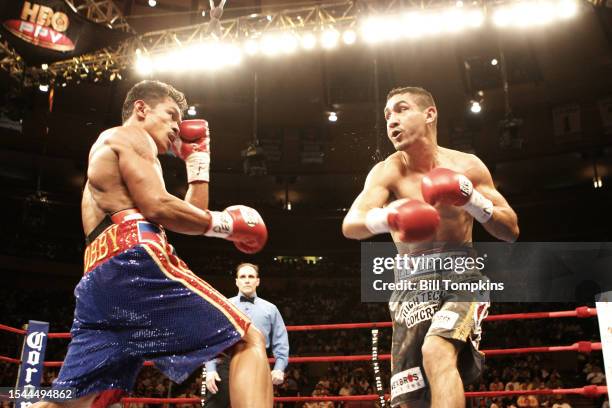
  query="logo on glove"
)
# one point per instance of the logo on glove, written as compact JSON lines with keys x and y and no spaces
{"x":250,"y":217}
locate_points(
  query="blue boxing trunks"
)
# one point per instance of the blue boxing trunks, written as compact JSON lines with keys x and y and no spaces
{"x":138,"y":301}
{"x":434,"y":310}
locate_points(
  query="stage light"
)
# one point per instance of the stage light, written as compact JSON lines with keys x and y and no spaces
{"x":43,"y":87}
{"x":251,"y":47}
{"x":270,"y":45}
{"x":152,"y":3}
{"x":567,"y":9}
{"x":192,"y":111}
{"x":288,"y":43}
{"x":538,"y":13}
{"x":308,"y":41}
{"x":329,"y":38}
{"x":332,"y":117}
{"x":475,"y":18}
{"x":373,"y":29}
{"x":349,"y":37}
{"x":475,"y":107}
{"x":494,"y":61}
{"x":597,"y":183}
{"x":144,"y":65}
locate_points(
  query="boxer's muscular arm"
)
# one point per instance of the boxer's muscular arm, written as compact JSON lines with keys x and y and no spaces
{"x":137,"y":158}
{"x":503,"y":224}
{"x":375,"y":194}
{"x":197,"y":194}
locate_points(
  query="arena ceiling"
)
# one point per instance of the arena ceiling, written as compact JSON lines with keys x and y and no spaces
{"x":553,"y":73}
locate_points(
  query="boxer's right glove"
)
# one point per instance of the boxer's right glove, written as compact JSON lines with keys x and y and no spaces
{"x":194,"y":148}
{"x":413,"y":219}
{"x":240,"y":224}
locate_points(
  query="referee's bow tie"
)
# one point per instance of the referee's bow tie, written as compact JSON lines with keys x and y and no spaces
{"x":247,"y":299}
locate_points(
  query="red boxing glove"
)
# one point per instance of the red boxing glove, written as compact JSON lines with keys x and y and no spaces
{"x":448,"y":187}
{"x":240,"y":224}
{"x":413,"y":219}
{"x":194,"y":148}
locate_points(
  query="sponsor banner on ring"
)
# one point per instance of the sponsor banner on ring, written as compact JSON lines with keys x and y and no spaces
{"x":32,"y":358}
{"x":489,"y":271}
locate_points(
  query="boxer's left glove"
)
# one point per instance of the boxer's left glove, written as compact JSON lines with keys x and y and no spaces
{"x":240,"y":224}
{"x":448,"y":187}
{"x":194,"y":148}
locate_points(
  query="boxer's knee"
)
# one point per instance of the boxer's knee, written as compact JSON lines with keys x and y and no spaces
{"x":438,"y":354}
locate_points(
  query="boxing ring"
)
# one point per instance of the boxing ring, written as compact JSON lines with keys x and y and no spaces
{"x":580,"y":347}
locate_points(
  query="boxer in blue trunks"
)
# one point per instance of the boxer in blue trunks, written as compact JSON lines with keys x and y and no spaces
{"x":137,"y":300}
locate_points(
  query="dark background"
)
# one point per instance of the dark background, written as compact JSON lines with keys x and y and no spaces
{"x":559,"y":79}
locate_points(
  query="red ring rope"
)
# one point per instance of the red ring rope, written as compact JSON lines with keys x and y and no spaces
{"x":581,"y":312}
{"x":581,"y":346}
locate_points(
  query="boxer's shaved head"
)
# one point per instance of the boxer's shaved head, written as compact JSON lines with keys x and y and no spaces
{"x":152,"y":92}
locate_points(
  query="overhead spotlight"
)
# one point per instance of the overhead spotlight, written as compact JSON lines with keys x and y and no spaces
{"x":597,"y":183}
{"x":332,"y":117}
{"x":308,"y":41}
{"x":152,"y":3}
{"x":192,"y":111}
{"x":45,"y":67}
{"x":329,"y":38}
{"x":251,"y":47}
{"x":475,"y":107}
{"x":373,"y":29}
{"x":144,"y":65}
{"x":288,"y":43}
{"x":43,"y":87}
{"x":481,"y":93}
{"x":494,"y":61}
{"x":349,"y":37}
{"x":475,"y":18}
{"x":567,"y":9}
{"x":271,"y":44}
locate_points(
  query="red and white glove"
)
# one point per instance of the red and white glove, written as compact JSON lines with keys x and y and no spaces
{"x":448,"y":187}
{"x":240,"y":224}
{"x":194,"y":148}
{"x":413,"y":219}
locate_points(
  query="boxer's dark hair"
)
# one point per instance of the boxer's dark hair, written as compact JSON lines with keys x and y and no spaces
{"x":152,"y":92}
{"x":422,"y":97}
{"x":242,"y":265}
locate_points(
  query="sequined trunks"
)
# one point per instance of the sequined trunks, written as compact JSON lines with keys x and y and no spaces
{"x":138,"y":301}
